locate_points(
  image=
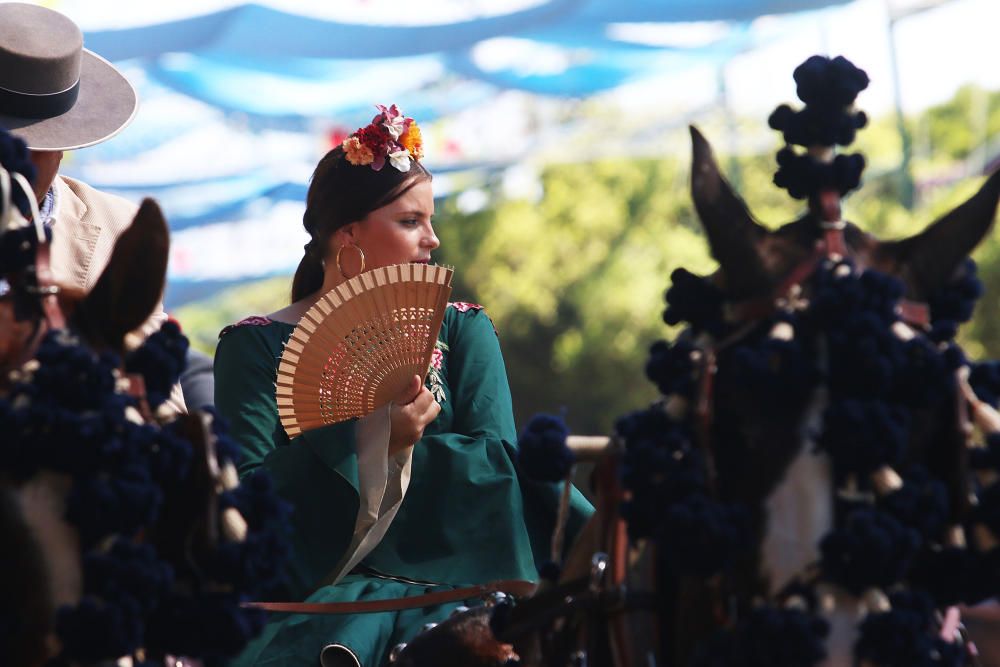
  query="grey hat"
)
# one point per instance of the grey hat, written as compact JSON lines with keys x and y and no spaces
{"x":55,"y":94}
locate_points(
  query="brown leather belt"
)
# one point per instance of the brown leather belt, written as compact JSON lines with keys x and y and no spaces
{"x":515,"y":587}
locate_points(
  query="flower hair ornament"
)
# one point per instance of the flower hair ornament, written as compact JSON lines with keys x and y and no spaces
{"x":390,"y":135}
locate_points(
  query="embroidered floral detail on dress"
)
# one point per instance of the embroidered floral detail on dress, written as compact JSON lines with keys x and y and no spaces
{"x":462,"y":306}
{"x":435,"y":378}
{"x":253,"y":320}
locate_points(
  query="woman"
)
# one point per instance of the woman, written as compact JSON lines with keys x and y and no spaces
{"x":421,"y":496}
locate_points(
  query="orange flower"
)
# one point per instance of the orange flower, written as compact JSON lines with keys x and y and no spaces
{"x":356,"y":152}
{"x":412,"y":141}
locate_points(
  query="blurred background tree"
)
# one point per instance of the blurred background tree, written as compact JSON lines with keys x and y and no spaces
{"x":574,"y":274}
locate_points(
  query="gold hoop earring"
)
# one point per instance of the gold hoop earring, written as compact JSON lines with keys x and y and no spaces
{"x":360,"y":253}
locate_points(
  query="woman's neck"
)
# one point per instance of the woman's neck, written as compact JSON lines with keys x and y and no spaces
{"x":291,"y":314}
{"x":330,"y":280}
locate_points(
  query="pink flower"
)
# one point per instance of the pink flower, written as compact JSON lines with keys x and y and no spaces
{"x":393,"y":121}
{"x":436,"y":358}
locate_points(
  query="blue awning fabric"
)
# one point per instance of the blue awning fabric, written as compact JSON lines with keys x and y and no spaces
{"x":254,"y":69}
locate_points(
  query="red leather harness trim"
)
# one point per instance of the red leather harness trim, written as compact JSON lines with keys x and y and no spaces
{"x":514,"y":587}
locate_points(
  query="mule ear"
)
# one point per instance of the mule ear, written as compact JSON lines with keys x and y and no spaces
{"x":131,"y":285}
{"x":929,"y":259}
{"x":732,"y":232}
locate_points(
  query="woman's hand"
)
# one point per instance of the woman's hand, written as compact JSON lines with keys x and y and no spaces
{"x":410,"y":413}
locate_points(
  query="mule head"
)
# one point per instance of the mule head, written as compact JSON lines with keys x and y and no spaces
{"x":124,"y":297}
{"x":754,"y":260}
{"x":791,"y":493}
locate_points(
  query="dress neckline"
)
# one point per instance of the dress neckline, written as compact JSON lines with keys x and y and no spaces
{"x":254,"y":321}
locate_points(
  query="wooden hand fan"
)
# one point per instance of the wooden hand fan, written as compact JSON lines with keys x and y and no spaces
{"x":359,"y":346}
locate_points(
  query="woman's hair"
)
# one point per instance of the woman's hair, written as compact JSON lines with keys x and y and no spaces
{"x":341,"y":193}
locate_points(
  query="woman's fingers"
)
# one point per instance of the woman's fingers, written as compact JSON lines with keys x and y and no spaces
{"x":432,"y":411}
{"x":423,"y":409}
{"x":410,"y":393}
{"x":410,"y":418}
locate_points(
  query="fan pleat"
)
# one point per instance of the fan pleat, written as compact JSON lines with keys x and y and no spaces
{"x":360,"y":344}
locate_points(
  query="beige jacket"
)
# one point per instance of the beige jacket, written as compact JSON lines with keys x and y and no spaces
{"x":86,"y":223}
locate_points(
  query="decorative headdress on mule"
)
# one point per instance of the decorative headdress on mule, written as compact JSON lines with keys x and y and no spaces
{"x":166,"y":540}
{"x":390,"y":136}
{"x":828,"y":88}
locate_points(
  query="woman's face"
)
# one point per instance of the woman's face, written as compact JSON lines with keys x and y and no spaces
{"x":398,"y":233}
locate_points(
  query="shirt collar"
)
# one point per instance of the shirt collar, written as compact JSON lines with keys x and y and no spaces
{"x":49,"y":207}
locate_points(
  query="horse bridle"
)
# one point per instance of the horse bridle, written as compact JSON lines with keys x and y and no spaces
{"x":37,"y":295}
{"x":750,"y":313}
{"x":832,"y":246}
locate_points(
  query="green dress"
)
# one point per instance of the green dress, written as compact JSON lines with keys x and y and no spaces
{"x":466,"y":517}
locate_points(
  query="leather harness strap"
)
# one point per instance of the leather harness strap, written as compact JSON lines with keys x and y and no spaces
{"x":914,"y":313}
{"x":515,"y":587}
{"x":753,"y":310}
{"x":47,"y":288}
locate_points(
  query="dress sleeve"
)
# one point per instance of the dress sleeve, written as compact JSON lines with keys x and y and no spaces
{"x":245,"y":371}
{"x":472,"y":465}
{"x":478,"y":380}
{"x":483,"y":407}
{"x":317,"y":473}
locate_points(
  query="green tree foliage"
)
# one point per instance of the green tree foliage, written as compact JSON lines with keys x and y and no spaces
{"x":203,"y":320}
{"x":955,"y":130}
{"x":575,"y":281}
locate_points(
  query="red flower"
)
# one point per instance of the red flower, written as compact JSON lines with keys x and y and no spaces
{"x":337,"y":135}
{"x":375,"y":137}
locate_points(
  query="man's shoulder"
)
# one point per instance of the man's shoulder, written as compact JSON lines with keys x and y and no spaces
{"x":108,"y":208}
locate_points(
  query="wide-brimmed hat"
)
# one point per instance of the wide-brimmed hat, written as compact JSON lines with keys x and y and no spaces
{"x":55,"y":94}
